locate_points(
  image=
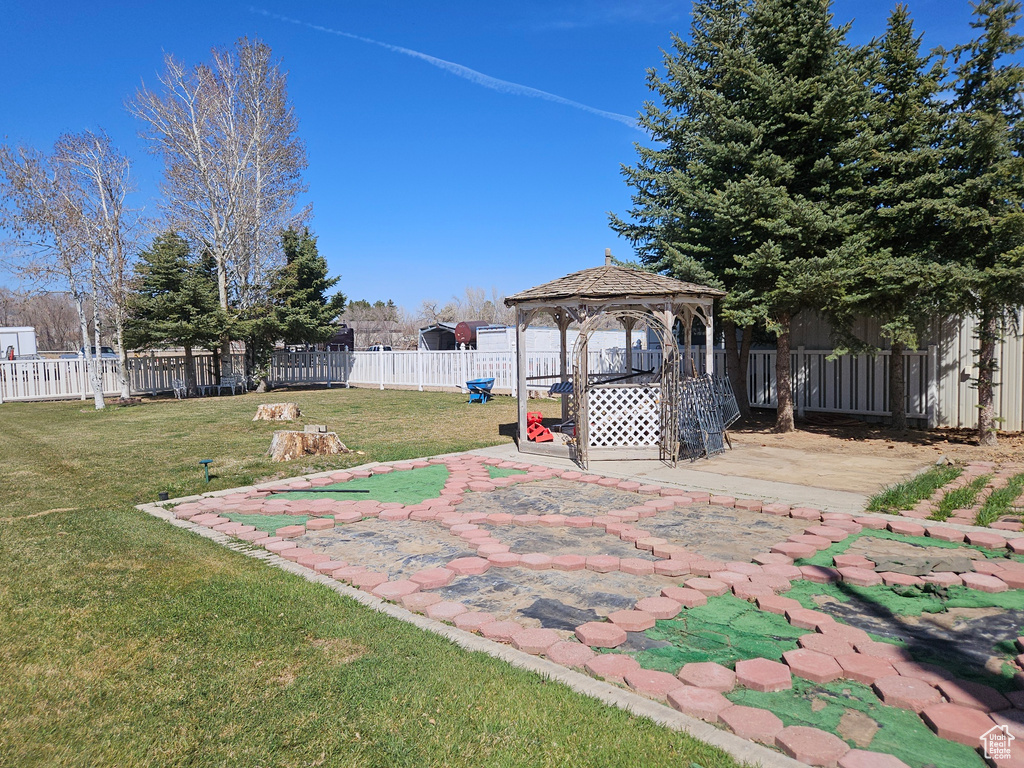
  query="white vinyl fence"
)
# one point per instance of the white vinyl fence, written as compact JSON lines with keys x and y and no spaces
{"x":850,"y":384}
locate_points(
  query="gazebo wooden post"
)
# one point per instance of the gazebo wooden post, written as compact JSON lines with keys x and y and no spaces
{"x":523,"y":395}
{"x":563,"y":319}
{"x":628,"y":324}
{"x":688,"y":367}
{"x":709,"y":339}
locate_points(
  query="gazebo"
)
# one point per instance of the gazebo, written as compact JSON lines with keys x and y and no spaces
{"x":630,"y":413}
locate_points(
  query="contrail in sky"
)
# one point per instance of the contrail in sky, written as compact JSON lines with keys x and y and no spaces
{"x":479,"y":78}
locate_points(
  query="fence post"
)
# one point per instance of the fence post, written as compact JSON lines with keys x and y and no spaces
{"x":419,"y":370}
{"x":380,"y":365}
{"x":933,"y":386}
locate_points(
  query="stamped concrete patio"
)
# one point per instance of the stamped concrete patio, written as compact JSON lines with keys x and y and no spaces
{"x":834,"y":637}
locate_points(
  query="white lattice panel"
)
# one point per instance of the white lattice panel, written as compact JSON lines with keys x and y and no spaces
{"x":624,"y":415}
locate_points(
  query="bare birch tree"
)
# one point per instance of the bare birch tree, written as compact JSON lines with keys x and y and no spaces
{"x":43,"y":213}
{"x":102,"y":175}
{"x":233,"y":162}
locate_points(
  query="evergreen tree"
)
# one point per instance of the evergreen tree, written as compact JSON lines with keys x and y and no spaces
{"x":796,"y":205}
{"x":983,"y":212}
{"x":757,"y":185}
{"x":901,"y":280}
{"x":297,"y":310}
{"x":305,"y":312}
{"x":175,"y":302}
{"x":673,"y":224}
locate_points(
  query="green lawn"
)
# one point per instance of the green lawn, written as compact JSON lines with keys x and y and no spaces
{"x":125,"y":641}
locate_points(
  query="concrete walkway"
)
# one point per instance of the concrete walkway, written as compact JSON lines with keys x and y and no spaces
{"x":694,"y":477}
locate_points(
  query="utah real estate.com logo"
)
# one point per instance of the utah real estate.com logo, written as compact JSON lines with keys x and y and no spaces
{"x":996,"y":742}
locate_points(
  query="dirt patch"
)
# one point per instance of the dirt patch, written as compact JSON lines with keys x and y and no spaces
{"x":848,"y":438}
{"x":722,"y":533}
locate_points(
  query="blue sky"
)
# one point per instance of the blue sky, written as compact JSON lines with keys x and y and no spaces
{"x":424,"y":178}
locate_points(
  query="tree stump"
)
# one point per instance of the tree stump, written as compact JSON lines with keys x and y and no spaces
{"x":290,"y":444}
{"x":277,"y":412}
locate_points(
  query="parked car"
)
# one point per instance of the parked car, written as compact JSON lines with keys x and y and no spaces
{"x":106,"y":353}
{"x":380,"y":348}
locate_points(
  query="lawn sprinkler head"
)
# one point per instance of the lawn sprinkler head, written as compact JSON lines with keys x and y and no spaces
{"x":206,"y":467}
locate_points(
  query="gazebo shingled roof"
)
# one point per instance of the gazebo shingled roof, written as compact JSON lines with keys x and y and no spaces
{"x":610,"y":282}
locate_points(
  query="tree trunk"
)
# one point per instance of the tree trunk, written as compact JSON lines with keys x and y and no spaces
{"x":222,"y":292}
{"x":190,"y":372}
{"x":988,"y":334}
{"x":83,"y":326}
{"x":783,"y":379}
{"x":736,"y":361}
{"x":124,"y":373}
{"x":897,"y":387}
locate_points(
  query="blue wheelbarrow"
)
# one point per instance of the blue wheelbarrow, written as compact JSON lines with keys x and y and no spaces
{"x":479,"y":390}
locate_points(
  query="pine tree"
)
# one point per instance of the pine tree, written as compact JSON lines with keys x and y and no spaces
{"x":672,"y":224}
{"x":983,"y":212}
{"x":756,"y":189}
{"x":901,"y":280}
{"x":305,"y":313}
{"x":175,"y":302}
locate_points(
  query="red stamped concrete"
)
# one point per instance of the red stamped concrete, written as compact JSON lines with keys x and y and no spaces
{"x":794,"y":551}
{"x":860,"y":758}
{"x":805,"y":618}
{"x":698,"y":702}
{"x":763,"y":675}
{"x":469,"y":566}
{"x":652,"y":683}
{"x":611,"y":666}
{"x":986,"y":539}
{"x":418,"y":602}
{"x":504,"y":559}
{"x":471,"y":621}
{"x":956,"y":723}
{"x":851,"y":635}
{"x":811,"y":745}
{"x":535,"y":640}
{"x":433,"y":578}
{"x":708,"y":674}
{"x":906,"y":692}
{"x":984,"y":582}
{"x":395,"y":590}
{"x":660,"y":607}
{"x":888,"y":651}
{"x":536,"y":562}
{"x":906,"y":528}
{"x":864,"y":669}
{"x":709,"y":587}
{"x":602,"y":563}
{"x":686,"y":597}
{"x":777,"y":604}
{"x":569,"y":562}
{"x":860,"y":577}
{"x":447,"y":610}
{"x":569,"y":654}
{"x":636,"y":566}
{"x":500,"y":631}
{"x":751,"y":723}
{"x":632,"y":621}
{"x":601,"y":634}
{"x":368,"y":580}
{"x":974,"y":695}
{"x":827,"y":644}
{"x":811,"y":665}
